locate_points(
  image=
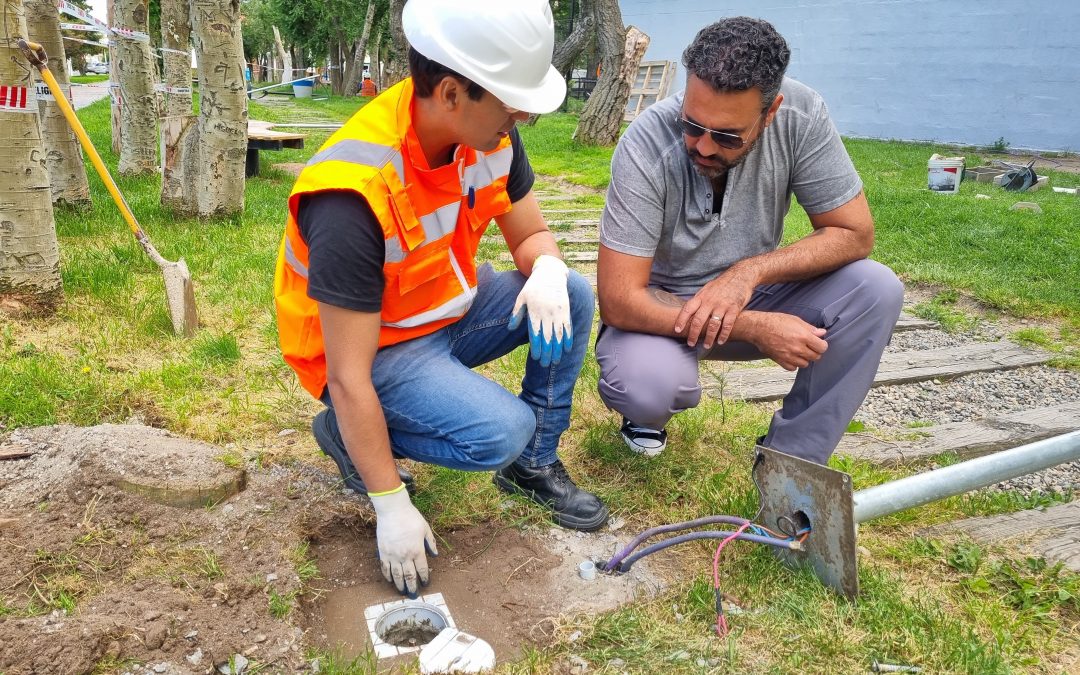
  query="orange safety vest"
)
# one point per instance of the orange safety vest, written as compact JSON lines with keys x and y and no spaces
{"x":431,"y":224}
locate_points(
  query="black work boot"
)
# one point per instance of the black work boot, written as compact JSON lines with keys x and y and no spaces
{"x":327,"y":434}
{"x":550,"y":486}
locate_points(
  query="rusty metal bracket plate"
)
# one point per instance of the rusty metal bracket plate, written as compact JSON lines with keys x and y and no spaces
{"x":789,"y":485}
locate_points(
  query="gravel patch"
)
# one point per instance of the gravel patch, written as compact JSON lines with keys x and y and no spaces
{"x":898,"y":409}
{"x":967,"y":398}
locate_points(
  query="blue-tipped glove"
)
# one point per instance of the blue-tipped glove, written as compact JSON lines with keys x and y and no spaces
{"x":547,"y":303}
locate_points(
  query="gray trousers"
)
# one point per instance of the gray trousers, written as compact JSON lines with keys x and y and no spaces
{"x":649,"y":378}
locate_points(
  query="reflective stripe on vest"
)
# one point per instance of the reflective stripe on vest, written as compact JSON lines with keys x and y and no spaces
{"x":293,"y":261}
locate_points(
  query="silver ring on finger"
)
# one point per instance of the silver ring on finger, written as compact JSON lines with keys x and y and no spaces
{"x":717,"y":319}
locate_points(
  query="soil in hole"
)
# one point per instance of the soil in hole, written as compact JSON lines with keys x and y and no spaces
{"x":410,"y":633}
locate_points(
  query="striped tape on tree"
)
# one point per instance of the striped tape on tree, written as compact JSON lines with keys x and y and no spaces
{"x":17,"y":99}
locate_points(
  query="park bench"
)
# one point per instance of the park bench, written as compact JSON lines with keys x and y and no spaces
{"x":262,"y":138}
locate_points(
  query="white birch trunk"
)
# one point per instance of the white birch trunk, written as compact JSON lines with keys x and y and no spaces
{"x":117,"y":126}
{"x":284,"y":55}
{"x":352,"y":78}
{"x":138,"y":101}
{"x":29,"y":255}
{"x":223,"y":111}
{"x":63,"y":157}
{"x":176,"y":36}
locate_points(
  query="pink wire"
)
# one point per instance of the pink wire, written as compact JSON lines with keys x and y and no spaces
{"x":721,"y":622}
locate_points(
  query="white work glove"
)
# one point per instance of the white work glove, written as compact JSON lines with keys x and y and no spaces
{"x":402,"y":533}
{"x":545,"y":299}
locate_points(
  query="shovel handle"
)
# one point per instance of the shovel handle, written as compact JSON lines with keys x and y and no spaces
{"x":35,"y":53}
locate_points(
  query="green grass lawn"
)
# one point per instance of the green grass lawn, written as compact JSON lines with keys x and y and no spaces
{"x":946,"y":605}
{"x":88,"y":79}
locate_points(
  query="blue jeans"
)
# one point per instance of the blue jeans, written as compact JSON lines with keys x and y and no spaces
{"x":440,"y":412}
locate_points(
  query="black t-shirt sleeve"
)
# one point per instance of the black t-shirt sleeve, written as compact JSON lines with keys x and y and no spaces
{"x":346,"y":250}
{"x":521,"y":177}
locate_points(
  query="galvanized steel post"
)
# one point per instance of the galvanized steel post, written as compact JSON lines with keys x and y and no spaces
{"x":973,"y":474}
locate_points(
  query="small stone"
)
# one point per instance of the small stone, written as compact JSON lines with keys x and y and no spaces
{"x":286,"y":432}
{"x":616,"y":663}
{"x":191,"y":635}
{"x":161,"y":667}
{"x":195,"y":657}
{"x":577,"y":665}
{"x":700,"y":663}
{"x":982,"y":196}
{"x":155,"y":636}
{"x":575,"y":636}
{"x":234,"y":666}
{"x":616,"y":524}
{"x":259,"y":637}
{"x":227,"y":509}
{"x":1026,"y":206}
{"x":271,"y":577}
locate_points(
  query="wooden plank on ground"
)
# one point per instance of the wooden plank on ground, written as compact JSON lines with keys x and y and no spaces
{"x":773,"y":382}
{"x":1053,"y":533}
{"x":907,"y":322}
{"x":967,"y":439}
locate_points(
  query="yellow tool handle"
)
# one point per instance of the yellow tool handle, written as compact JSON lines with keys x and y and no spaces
{"x":35,"y":53}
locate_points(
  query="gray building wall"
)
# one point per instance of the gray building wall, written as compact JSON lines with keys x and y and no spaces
{"x":960,"y":71}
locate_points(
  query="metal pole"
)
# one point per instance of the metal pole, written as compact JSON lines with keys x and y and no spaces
{"x":931,"y":486}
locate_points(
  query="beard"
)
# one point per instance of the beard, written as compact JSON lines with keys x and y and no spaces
{"x":722,"y":165}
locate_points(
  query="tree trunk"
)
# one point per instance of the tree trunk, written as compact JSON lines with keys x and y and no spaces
{"x":284,"y":55}
{"x":620,"y":53}
{"x":176,"y":36}
{"x":352,"y":79}
{"x":337,"y":67}
{"x":138,"y":101}
{"x":376,"y":60}
{"x":29,"y":255}
{"x":116,"y":126}
{"x":67,"y":174}
{"x":223,"y":111}
{"x":567,"y":51}
{"x":398,"y":66}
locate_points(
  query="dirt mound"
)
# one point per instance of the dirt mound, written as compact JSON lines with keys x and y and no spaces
{"x":97,"y":577}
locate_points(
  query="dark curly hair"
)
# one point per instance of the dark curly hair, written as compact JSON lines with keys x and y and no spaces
{"x":739,"y":53}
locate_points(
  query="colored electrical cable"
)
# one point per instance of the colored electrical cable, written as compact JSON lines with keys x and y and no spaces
{"x":673,"y":527}
{"x":624,"y":565}
{"x":721,"y":622}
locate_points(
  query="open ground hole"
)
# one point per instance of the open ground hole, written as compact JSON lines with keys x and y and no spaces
{"x":505,"y":586}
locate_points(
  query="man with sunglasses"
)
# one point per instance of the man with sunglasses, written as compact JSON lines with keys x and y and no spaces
{"x":690,"y":266}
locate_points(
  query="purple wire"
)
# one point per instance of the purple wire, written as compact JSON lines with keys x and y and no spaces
{"x":624,"y":565}
{"x":707,"y":520}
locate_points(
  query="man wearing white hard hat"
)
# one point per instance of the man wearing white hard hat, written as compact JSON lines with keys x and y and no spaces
{"x":382,"y":311}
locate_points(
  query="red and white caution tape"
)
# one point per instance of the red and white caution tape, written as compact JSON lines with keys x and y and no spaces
{"x":83,"y":27}
{"x":17,"y":99}
{"x":68,"y":8}
{"x":85,"y":42}
{"x":131,"y":34}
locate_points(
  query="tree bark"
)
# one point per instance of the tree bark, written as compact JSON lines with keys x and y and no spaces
{"x":284,"y":55}
{"x":176,"y":36}
{"x":620,"y":53}
{"x":29,"y":254}
{"x":352,"y":78}
{"x":398,"y":65}
{"x":567,"y":51}
{"x":376,"y":60}
{"x":223,"y":113}
{"x":63,"y":158}
{"x":138,"y":101}
{"x":116,"y":126}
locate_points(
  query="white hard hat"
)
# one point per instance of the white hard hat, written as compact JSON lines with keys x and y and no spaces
{"x":505,"y":47}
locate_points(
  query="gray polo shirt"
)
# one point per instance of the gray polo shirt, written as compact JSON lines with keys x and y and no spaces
{"x":659,"y":206}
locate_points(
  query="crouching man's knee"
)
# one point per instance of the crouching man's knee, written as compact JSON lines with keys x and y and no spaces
{"x":503,"y":437}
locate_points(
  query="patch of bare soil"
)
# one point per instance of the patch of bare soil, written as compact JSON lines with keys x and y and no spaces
{"x":503,"y":585}
{"x":98,"y":578}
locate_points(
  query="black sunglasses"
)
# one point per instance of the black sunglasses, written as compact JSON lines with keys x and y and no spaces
{"x":724,"y":139}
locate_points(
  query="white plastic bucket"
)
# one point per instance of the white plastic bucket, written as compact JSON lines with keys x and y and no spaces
{"x":302,"y":88}
{"x":944,"y":175}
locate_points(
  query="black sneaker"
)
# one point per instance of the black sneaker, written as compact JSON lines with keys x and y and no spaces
{"x":551,"y":487}
{"x":643,"y":440}
{"x":327,"y":434}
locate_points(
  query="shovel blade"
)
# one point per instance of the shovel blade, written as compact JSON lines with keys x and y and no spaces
{"x":180,"y":293}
